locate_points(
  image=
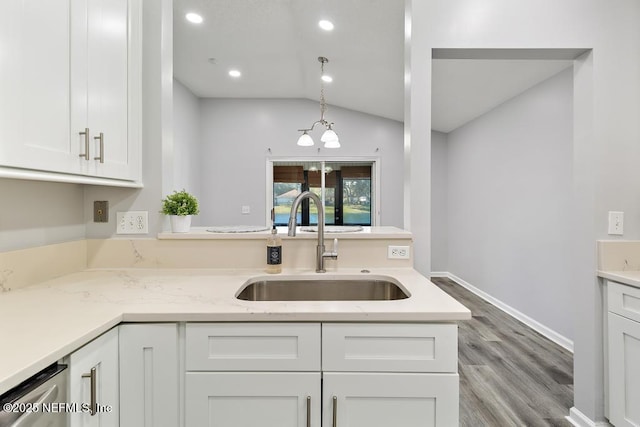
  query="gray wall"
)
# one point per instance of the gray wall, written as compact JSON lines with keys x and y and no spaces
{"x":509,"y":190}
{"x":238,"y":133}
{"x":37,"y":213}
{"x":439,"y":196}
{"x":606,"y":129}
{"x":186,"y":141}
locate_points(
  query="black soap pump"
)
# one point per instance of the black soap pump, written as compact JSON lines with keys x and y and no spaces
{"x":274,"y":249}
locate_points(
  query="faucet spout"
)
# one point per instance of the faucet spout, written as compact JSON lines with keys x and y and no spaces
{"x":320,"y":251}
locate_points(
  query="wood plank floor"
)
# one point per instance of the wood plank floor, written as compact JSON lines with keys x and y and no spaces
{"x":510,"y":375}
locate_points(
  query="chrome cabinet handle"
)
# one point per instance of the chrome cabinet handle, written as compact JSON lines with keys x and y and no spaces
{"x":335,"y":411}
{"x":101,"y":139}
{"x":93,"y":403}
{"x":308,"y":411}
{"x":86,"y":143}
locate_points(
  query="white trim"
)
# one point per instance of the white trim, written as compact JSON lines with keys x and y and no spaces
{"x":533,"y":324}
{"x":441,"y":274}
{"x":35,"y":175}
{"x":269,"y":191}
{"x":579,"y":419}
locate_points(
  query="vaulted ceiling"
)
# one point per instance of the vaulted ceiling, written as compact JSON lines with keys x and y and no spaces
{"x":276,"y":43}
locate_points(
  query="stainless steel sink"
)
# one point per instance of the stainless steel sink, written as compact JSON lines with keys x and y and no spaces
{"x":330,"y":289}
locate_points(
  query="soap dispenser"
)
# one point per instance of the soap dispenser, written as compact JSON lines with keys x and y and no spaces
{"x":274,"y":250}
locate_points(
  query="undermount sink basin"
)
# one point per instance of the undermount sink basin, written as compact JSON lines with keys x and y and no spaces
{"x":378,"y":288}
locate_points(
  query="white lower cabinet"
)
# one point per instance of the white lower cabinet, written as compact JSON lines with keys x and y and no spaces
{"x":250,"y":399}
{"x":93,"y":382}
{"x":149,"y":375}
{"x":622,"y":338}
{"x":370,"y":375}
{"x":387,"y":399}
{"x":273,"y":375}
{"x":624,"y":371}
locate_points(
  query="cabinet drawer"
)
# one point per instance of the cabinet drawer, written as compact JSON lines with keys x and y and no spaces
{"x":624,"y":300}
{"x":389,"y":347}
{"x":253,"y":347}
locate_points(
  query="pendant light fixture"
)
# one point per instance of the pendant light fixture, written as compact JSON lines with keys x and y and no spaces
{"x":329,"y":137}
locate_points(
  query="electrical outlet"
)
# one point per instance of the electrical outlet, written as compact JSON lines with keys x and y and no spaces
{"x":616,"y":223}
{"x":246,"y":210}
{"x":398,"y":252}
{"x":132,"y":222}
{"x":100,"y":211}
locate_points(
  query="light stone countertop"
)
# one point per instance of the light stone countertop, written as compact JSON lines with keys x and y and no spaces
{"x":631,"y":277}
{"x":42,"y":323}
{"x":376,"y":232}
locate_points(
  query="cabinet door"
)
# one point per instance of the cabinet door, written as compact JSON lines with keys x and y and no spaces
{"x":250,"y":399}
{"x":149,"y":375}
{"x":383,"y":400}
{"x":34,"y":86}
{"x":624,"y":371}
{"x":100,"y":354}
{"x":105,"y":77}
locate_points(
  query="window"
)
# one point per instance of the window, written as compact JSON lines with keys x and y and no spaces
{"x":348,"y":195}
{"x":288,"y":183}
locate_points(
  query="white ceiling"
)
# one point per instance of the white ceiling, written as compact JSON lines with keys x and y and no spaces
{"x":276,"y":43}
{"x":464,"y":89}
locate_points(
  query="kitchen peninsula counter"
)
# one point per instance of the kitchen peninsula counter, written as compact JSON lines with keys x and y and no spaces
{"x":42,"y":323}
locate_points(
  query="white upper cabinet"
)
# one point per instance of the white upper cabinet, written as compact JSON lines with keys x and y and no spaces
{"x":105,"y":75}
{"x":34,"y":85}
{"x":67,"y":66}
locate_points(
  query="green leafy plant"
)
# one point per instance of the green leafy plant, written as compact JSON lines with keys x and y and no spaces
{"x":180,"y":203}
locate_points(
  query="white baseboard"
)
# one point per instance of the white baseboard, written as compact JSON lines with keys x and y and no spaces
{"x":533,"y":324}
{"x":579,"y":419}
{"x":440,"y":274}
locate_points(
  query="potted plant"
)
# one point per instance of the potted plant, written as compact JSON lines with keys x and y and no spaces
{"x":180,"y":206}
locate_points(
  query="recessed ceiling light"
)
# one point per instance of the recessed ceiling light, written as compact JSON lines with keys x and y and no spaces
{"x":326,"y":25}
{"x":194,"y":18}
{"x":235,"y":73}
{"x":326,"y":78}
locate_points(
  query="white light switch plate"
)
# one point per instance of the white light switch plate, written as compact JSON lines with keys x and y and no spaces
{"x":616,"y":223}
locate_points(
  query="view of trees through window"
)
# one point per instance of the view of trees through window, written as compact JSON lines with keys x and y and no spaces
{"x":348,"y":192}
{"x":356,"y":196}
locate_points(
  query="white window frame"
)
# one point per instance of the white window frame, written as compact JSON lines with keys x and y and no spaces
{"x":375,"y":181}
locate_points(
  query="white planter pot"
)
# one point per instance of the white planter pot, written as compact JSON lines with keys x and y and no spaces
{"x":180,"y":223}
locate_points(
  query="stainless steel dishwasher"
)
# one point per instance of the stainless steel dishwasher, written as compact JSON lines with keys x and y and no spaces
{"x":37,"y":402}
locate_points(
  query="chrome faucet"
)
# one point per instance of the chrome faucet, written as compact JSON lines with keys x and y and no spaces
{"x":320,"y":252}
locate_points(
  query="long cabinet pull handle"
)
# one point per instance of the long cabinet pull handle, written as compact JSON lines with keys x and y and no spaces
{"x":308,"y":411}
{"x":94,"y":381}
{"x":86,"y":143}
{"x":101,"y":139}
{"x":335,"y":411}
